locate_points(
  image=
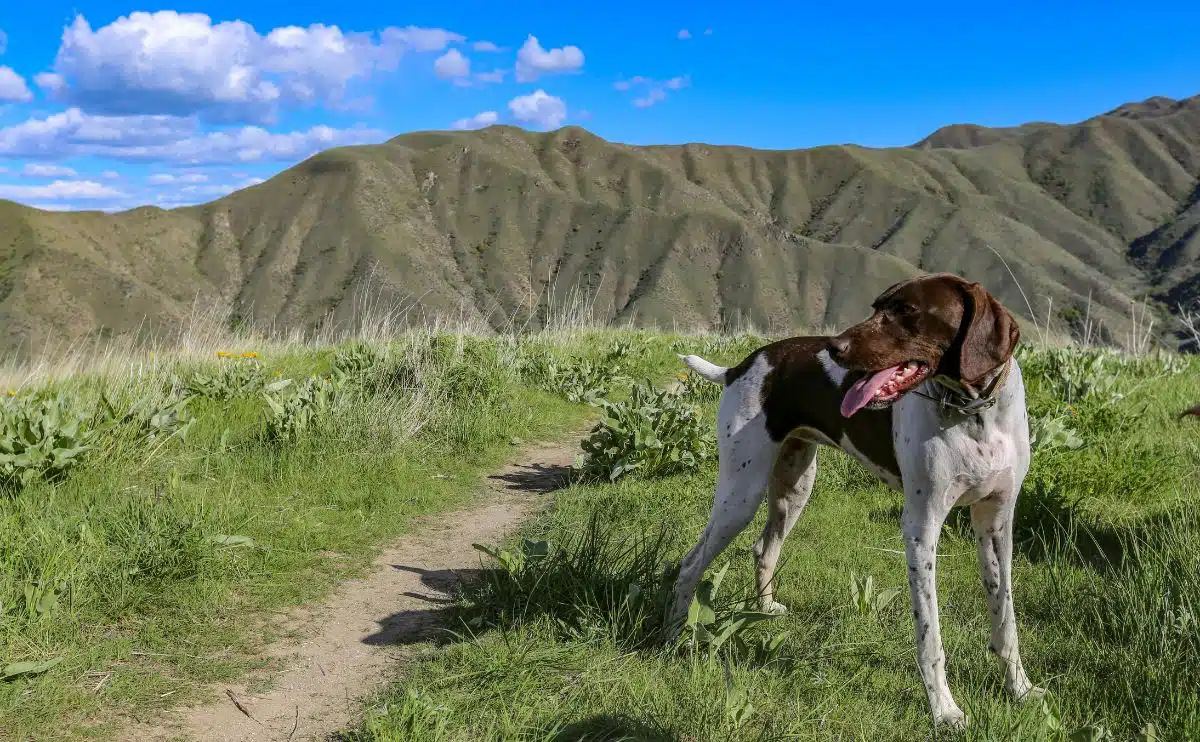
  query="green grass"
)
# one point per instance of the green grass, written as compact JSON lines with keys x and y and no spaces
{"x":1106,"y":581}
{"x":158,"y":564}
{"x":162,"y":560}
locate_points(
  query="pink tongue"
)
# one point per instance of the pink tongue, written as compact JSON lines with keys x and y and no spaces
{"x":863,"y":390}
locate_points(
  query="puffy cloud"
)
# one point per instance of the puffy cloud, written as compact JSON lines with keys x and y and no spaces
{"x":13,"y":88}
{"x":654,"y":90}
{"x":166,"y":178}
{"x":34,"y":170}
{"x":495,"y":76}
{"x":60,"y":190}
{"x":478,"y":121}
{"x":452,"y":64}
{"x":650,"y":98}
{"x":534,"y":61}
{"x":684,"y":34}
{"x":539,"y":108}
{"x":73,"y":133}
{"x":485,"y":46}
{"x":419,"y":39}
{"x":184,"y":64}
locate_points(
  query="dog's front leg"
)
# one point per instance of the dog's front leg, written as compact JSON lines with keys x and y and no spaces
{"x":992,"y":518}
{"x":925,"y":510}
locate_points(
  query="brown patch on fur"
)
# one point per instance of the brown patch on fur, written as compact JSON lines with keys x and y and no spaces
{"x":797,"y":393}
{"x":952,"y":325}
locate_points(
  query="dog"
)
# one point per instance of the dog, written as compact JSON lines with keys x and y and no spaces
{"x":1193,"y":411}
{"x":927,"y":395}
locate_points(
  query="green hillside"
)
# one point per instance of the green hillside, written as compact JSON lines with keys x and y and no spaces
{"x":1092,"y":217}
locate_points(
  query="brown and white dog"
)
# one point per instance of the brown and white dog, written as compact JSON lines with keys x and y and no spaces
{"x":926,"y":394}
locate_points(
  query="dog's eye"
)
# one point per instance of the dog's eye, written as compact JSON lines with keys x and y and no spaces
{"x":904,"y":310}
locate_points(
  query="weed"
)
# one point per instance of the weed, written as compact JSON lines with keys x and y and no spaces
{"x":41,"y":438}
{"x":655,"y":433}
{"x":293,"y":409}
{"x":236,"y":377}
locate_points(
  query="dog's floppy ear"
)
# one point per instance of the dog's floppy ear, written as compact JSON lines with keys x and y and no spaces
{"x":990,"y":336}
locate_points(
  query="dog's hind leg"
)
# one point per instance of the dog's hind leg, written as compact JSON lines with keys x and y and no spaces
{"x":746,"y":458}
{"x":790,"y":485}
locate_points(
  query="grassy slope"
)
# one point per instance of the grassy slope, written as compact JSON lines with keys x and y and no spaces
{"x":691,"y":236}
{"x":1107,"y":588}
{"x":150,"y":605}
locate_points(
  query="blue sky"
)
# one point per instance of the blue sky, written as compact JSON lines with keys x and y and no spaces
{"x":109,"y":105}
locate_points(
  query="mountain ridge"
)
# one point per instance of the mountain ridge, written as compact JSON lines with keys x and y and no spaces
{"x":1088,"y":217}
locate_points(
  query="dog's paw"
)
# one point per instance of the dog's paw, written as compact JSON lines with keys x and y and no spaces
{"x":1029,"y":694}
{"x":952,"y":717}
{"x":773,"y":606}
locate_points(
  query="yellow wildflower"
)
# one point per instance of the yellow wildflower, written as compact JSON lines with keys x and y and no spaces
{"x":222,"y":354}
{"x":250,"y":354}
{"x":682,"y":377}
{"x":11,"y":393}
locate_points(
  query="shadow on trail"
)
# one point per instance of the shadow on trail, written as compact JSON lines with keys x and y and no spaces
{"x":541,"y":479}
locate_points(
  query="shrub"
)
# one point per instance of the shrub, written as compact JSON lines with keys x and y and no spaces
{"x":655,"y":433}
{"x":41,"y":438}
{"x":293,"y":409}
{"x":237,"y":377}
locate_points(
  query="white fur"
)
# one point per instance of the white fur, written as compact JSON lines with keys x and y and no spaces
{"x":978,"y":461}
{"x":710,"y":371}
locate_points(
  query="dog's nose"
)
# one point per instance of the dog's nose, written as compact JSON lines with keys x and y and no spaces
{"x":838,"y":345}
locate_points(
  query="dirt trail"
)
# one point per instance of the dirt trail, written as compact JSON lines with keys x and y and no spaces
{"x":364,"y":629}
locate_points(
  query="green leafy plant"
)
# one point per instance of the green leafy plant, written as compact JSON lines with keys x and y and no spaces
{"x":25,"y":669}
{"x":708,"y":628}
{"x":515,"y":563}
{"x":293,"y":409}
{"x":1049,"y":431}
{"x":655,"y":433}
{"x":696,"y":388}
{"x":41,"y":438}
{"x":865,"y":600}
{"x":151,"y":419}
{"x":236,"y":377}
{"x":355,"y":367}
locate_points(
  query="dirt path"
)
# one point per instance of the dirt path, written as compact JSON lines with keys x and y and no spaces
{"x":364,"y":629}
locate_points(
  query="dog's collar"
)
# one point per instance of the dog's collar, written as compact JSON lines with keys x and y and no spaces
{"x":954,"y":396}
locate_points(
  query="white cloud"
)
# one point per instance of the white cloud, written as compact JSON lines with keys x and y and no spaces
{"x":539,"y":108}
{"x":533,"y":60}
{"x":684,"y":33}
{"x":452,"y":64}
{"x":167,"y":139}
{"x":13,"y":88}
{"x":631,"y":82}
{"x":655,"y":90}
{"x":33,"y":170}
{"x":419,"y":39}
{"x":110,"y":175}
{"x":478,"y":121}
{"x":60,"y":190}
{"x":485,"y":46}
{"x":184,"y":64}
{"x":650,"y":98}
{"x":495,"y":76}
{"x":165,"y":178}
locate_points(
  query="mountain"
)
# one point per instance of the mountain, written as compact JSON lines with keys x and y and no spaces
{"x":1089,"y":217}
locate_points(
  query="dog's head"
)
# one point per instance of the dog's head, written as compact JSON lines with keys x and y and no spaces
{"x":937,"y":324}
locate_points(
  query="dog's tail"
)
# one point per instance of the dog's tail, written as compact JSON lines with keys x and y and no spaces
{"x":710,"y":371}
